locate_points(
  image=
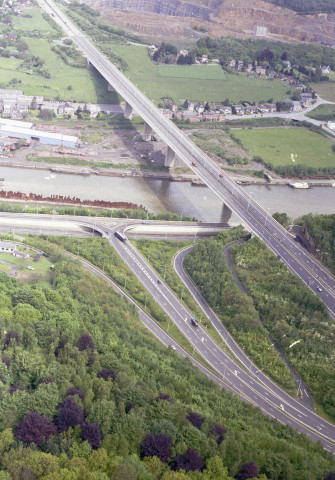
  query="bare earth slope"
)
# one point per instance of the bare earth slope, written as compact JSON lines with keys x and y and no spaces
{"x":236,"y":18}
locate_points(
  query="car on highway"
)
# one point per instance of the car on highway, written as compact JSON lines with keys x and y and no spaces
{"x":221,"y":175}
{"x":194,"y":322}
{"x":319,"y":288}
{"x":158,"y":281}
{"x":194,"y":164}
{"x":173,"y":347}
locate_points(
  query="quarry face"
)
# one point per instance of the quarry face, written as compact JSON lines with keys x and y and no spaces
{"x":235,"y":18}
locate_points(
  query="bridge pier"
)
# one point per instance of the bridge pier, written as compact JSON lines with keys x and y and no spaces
{"x":110,"y":88}
{"x":128,"y":111}
{"x":147,"y":133}
{"x":225,"y":213}
{"x":88,"y":63}
{"x":169,"y":158}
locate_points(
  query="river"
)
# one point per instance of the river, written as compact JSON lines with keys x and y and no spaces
{"x":163,"y":195}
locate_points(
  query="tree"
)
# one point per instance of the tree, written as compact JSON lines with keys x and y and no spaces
{"x":34,"y":428}
{"x":74,"y":391}
{"x":218,"y":432}
{"x":284,"y":56}
{"x":156,"y":445}
{"x":195,"y":419}
{"x":215,"y":469}
{"x":164,"y":396}
{"x":92,"y":433}
{"x":105,"y":373}
{"x":191,"y":461}
{"x":46,"y":114}
{"x":12,"y":338}
{"x":248,"y":470}
{"x":71,"y":415}
{"x":33,"y":105}
{"x":124,"y":471}
{"x":85,"y":342}
{"x":329,"y":476}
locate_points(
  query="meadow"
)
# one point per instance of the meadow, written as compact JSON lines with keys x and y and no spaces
{"x":325,"y":89}
{"x":194,"y":82}
{"x":284,"y":146}
{"x":323,"y":112}
{"x":87,"y":84}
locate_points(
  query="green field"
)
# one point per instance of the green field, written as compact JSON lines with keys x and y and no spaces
{"x":276,"y":145}
{"x":41,"y":267}
{"x":87,"y":84}
{"x":194,"y":82}
{"x":37,"y":22}
{"x":326,"y":90}
{"x":323,"y":112}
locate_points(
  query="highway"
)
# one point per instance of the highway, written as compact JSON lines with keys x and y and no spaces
{"x":252,"y":385}
{"x":238,"y":375}
{"x":312,"y":273}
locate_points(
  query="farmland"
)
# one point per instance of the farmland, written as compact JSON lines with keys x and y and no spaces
{"x":195,"y":82}
{"x":284,"y":146}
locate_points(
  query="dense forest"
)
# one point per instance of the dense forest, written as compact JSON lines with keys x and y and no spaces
{"x":289,"y":310}
{"x":306,"y":6}
{"x":319,"y":230}
{"x":261,"y":51}
{"x":88,"y":394}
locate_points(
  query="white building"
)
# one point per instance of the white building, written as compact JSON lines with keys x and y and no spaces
{"x":260,"y":31}
{"x":7,"y":247}
{"x":331,"y":125}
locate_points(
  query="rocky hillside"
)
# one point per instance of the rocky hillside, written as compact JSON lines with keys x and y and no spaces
{"x":235,"y":18}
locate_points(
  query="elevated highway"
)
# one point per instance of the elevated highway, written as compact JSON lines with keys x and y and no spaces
{"x":300,"y":262}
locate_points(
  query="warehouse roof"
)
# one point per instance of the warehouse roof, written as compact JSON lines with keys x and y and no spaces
{"x":12,"y":130}
{"x":15,"y":123}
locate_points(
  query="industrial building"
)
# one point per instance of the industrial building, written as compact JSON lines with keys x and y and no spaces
{"x":17,"y":129}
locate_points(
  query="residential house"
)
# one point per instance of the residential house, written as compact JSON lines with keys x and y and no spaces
{"x":306,"y":99}
{"x":295,"y":106}
{"x":331,"y":125}
{"x":65,"y":109}
{"x":183,"y":53}
{"x":249,"y":67}
{"x":213,"y":117}
{"x":226,"y":110}
{"x":239,"y":65}
{"x":263,"y":108}
{"x":12,"y":37}
{"x":191,"y":116}
{"x":204,"y":58}
{"x":238,"y":109}
{"x":260,"y":70}
{"x":200,"y":108}
{"x":272,"y":107}
{"x":250,"y":109}
{"x":174,"y":107}
{"x":94,"y":110}
{"x":325,"y":69}
{"x":232,"y":63}
{"x":152,"y":48}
